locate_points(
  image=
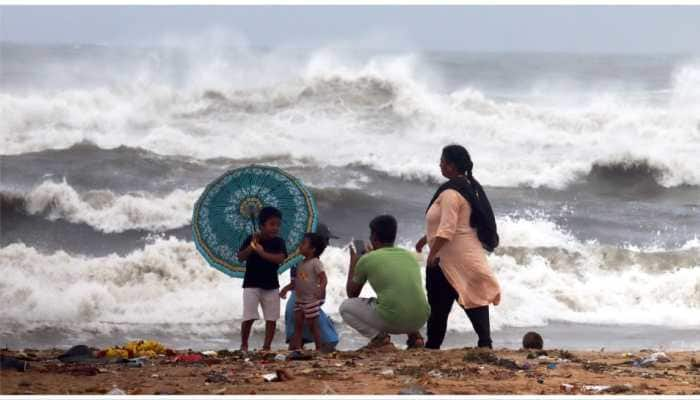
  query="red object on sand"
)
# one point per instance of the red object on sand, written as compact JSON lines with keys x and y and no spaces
{"x":189,"y":358}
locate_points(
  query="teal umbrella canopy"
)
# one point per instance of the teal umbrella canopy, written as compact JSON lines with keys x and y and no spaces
{"x":227,"y":212}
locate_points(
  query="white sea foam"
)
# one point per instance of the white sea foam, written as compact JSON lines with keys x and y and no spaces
{"x":168,"y":282}
{"x":110,"y":213}
{"x":380,"y":112}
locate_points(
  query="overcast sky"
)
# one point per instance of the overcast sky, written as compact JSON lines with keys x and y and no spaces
{"x":645,"y":29}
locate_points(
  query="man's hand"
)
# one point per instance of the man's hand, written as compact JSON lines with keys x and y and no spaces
{"x":353,"y":256}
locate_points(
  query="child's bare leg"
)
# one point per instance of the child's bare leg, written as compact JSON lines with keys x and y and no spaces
{"x":315,"y":331}
{"x":269,"y":334}
{"x":245,"y":333}
{"x":297,"y":339}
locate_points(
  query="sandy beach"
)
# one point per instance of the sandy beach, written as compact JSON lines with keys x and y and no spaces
{"x":385,"y":371}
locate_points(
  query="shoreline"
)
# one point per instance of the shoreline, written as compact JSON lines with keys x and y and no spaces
{"x":567,"y":335}
{"x":381,"y":371}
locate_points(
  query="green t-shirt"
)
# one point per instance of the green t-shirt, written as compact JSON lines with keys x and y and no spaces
{"x":394,"y":274}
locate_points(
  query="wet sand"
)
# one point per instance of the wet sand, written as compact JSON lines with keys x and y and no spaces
{"x":383,"y":371}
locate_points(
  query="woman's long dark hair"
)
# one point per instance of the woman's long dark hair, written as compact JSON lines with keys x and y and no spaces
{"x":482,"y":218}
{"x":459,"y":157}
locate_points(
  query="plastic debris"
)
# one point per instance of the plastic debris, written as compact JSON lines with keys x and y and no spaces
{"x":114,"y":352}
{"x":136,"y":362}
{"x":652,"y":359}
{"x":566,"y":387}
{"x":434,"y":373}
{"x":387,"y":373}
{"x":281,"y":375}
{"x":299,"y":356}
{"x":216,"y":377}
{"x":13,"y":363}
{"x":507,"y":363}
{"x":551,"y":366}
{"x":116,"y":392}
{"x":280,"y":357}
{"x":595,"y":388}
{"x":270,"y":377}
{"x":210,"y":353}
{"x":191,"y":358}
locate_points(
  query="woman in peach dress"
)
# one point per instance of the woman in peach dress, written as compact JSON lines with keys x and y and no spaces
{"x":460,"y":229}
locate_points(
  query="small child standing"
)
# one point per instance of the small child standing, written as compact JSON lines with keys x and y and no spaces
{"x":263,"y":253}
{"x":310,"y":286}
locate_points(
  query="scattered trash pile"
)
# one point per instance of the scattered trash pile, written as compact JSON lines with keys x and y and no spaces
{"x":147,"y":366}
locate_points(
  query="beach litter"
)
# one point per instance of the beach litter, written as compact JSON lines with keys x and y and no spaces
{"x":280,"y":357}
{"x":210,"y":353}
{"x":216,"y":377}
{"x":189,"y":358}
{"x":116,"y":392}
{"x":13,"y":363}
{"x":387,"y":373}
{"x":136,"y":362}
{"x":652,"y":359}
{"x":281,"y":375}
{"x":551,"y":366}
{"x":79,"y":354}
{"x":481,"y":356}
{"x":435,"y":373}
{"x":228,"y":353}
{"x":613,"y":389}
{"x":566,"y":387}
{"x":299,"y":356}
{"x":595,"y":388}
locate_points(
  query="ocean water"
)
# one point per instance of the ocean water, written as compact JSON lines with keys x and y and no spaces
{"x":592,"y":163}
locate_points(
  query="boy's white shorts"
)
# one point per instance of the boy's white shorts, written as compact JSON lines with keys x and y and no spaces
{"x":268,"y":299}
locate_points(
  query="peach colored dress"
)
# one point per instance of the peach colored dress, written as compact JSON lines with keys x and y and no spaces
{"x":462,"y":258}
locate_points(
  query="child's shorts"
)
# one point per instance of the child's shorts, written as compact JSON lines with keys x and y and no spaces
{"x":269,"y":300}
{"x":311,"y":309}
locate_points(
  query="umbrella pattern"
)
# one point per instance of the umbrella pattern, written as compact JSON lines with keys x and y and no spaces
{"x":226,"y":213}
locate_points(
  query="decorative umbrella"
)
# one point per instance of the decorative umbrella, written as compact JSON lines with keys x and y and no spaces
{"x":227,"y":211}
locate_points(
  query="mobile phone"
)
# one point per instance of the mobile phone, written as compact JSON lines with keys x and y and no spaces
{"x":359,"y":246}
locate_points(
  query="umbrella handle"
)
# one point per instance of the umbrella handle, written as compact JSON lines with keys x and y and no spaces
{"x":251,"y":213}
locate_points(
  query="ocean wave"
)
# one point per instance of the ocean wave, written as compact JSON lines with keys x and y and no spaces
{"x":380,"y":113}
{"x":168,"y":282}
{"x":103,"y":210}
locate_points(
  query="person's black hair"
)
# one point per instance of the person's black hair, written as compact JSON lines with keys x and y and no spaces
{"x":384,"y":228}
{"x":459,"y":157}
{"x":317,"y":241}
{"x":267,"y":213}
